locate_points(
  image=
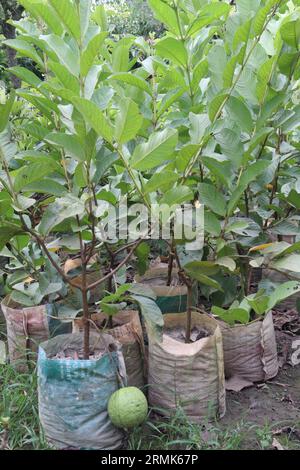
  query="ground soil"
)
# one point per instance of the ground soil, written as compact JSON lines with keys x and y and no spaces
{"x":178,"y":333}
{"x":274,"y":405}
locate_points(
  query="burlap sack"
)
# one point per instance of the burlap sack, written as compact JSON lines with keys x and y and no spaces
{"x":190,"y":376}
{"x":250,"y":350}
{"x":27,"y":328}
{"x":128,"y":331}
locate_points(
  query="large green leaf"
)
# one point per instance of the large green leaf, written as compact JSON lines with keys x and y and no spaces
{"x":173,"y":49}
{"x":5,"y":110}
{"x":177,"y":195}
{"x":249,"y":175}
{"x":41,"y":9}
{"x":67,"y":12}
{"x":128,"y":121}
{"x":152,"y":316}
{"x":208,"y":268}
{"x":90,"y":52}
{"x":26,"y":76}
{"x":159,"y":148}
{"x":239,"y":113}
{"x":69,"y":57}
{"x":282,"y":292}
{"x":25,"y":49}
{"x":165,"y":14}
{"x":70,"y":143}
{"x":8,"y":230}
{"x":161,"y":181}
{"x":60,"y":210}
{"x":207,"y":14}
{"x":33,"y":172}
{"x":290,"y":33}
{"x":133,"y":80}
{"x":231,"y":316}
{"x":212,"y":198}
{"x":94,"y":117}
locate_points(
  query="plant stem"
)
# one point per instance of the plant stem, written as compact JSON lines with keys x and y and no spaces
{"x":189,"y":312}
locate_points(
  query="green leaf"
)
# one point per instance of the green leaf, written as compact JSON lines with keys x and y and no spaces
{"x":62,"y":73}
{"x":259,"y":302}
{"x":133,"y":80}
{"x":263,"y":78}
{"x":70,"y":143}
{"x":25,"y":49}
{"x":211,"y":197}
{"x":41,"y":9}
{"x":94,"y":117}
{"x":171,"y":97}
{"x":261,"y":16}
{"x":232,"y":316}
{"x":287,"y":263}
{"x":69,"y":57}
{"x":240,"y":113}
{"x":66,"y":10}
{"x":32,"y":172}
{"x":91,"y":51}
{"x":161,"y":181}
{"x":203,"y":279}
{"x":159,"y":148}
{"x":207,"y":14}
{"x":26,"y":76}
{"x":8,"y":230}
{"x":208,"y":268}
{"x":242,"y":34}
{"x":5,"y":110}
{"x":199,"y":72}
{"x":46,"y":186}
{"x":120,"y":58}
{"x":216,"y":105}
{"x":199,"y":125}
{"x":60,"y":210}
{"x":229,"y":70}
{"x":290,"y":33}
{"x":212,"y":224}
{"x":173,"y":49}
{"x":249,"y":175}
{"x":164,"y":13}
{"x":282,"y":292}
{"x":128,"y":121}
{"x":152,"y":316}
{"x":177,"y":195}
{"x":142,"y":253}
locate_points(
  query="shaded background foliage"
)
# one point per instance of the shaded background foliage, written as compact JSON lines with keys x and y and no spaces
{"x":124,"y":17}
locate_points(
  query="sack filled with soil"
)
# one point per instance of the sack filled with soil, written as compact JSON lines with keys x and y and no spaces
{"x":250,"y":351}
{"x":74,"y":393}
{"x":27,"y":327}
{"x":127,"y":330}
{"x":190,"y":376}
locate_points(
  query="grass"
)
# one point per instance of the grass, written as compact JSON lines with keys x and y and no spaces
{"x":20,"y":429}
{"x":19,"y":421}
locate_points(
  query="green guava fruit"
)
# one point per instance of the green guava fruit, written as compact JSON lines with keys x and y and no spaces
{"x":127,"y":407}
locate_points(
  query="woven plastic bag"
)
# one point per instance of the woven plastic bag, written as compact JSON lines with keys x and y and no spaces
{"x":27,"y":328}
{"x":73,"y":394}
{"x":250,"y":350}
{"x":128,"y":331}
{"x":189,"y":376}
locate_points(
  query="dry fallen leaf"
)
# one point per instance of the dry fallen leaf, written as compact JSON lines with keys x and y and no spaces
{"x":236,"y":383}
{"x":276,"y":445}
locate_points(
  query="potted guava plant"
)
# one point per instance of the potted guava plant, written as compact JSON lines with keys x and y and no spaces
{"x":250,"y":350}
{"x":75,"y":136}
